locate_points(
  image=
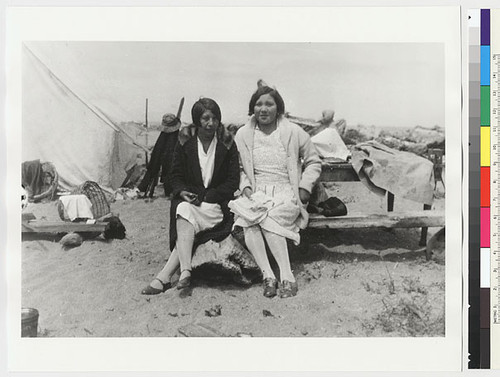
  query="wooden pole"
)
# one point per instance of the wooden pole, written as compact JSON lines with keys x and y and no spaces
{"x":147,"y":131}
{"x":179,"y":110}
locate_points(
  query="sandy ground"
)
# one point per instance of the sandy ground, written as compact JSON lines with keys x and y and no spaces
{"x":352,"y":283}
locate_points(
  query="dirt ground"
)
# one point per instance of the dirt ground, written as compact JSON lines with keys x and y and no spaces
{"x":352,"y":283}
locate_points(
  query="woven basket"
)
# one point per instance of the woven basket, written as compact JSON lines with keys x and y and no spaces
{"x":100,"y":205}
{"x":60,"y":211}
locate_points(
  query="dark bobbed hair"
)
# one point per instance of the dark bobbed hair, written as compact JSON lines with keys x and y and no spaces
{"x":202,"y":105}
{"x":273,"y":93}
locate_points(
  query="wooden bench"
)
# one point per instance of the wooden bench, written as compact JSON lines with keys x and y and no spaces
{"x":31,"y":225}
{"x":344,"y":172}
{"x":410,"y":219}
{"x":36,"y":226}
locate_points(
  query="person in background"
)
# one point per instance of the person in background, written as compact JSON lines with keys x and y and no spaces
{"x":162,"y":157}
{"x":280,"y":166}
{"x":205,"y":174}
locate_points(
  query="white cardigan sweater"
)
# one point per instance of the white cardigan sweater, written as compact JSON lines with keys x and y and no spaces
{"x":304,"y":164}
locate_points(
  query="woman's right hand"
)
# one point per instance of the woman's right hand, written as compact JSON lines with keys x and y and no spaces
{"x":247,"y":191}
{"x":188,"y":197}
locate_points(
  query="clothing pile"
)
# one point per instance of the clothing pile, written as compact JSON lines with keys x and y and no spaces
{"x":404,"y":174}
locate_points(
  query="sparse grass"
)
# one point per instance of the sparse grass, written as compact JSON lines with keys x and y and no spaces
{"x":411,"y":284}
{"x":409,"y":315}
{"x":441,"y":285}
{"x":337,"y":272}
{"x":390,"y":283}
{"x":373,"y":286}
{"x":315,"y":270}
{"x":406,"y":309}
{"x":385,"y":285}
{"x":367,"y":286}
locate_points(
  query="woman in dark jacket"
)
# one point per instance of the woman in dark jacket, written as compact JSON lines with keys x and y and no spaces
{"x":205,"y":174}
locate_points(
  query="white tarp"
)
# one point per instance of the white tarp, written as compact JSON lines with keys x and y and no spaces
{"x":61,"y":126}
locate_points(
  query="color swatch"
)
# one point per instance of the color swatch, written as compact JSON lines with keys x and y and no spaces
{"x":479,"y":189}
{"x":485,"y":211}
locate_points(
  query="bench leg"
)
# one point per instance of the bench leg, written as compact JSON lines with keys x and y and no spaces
{"x":390,"y":208}
{"x":423,"y":233}
{"x":390,"y":201}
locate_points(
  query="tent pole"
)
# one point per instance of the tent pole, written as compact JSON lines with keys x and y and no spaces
{"x":146,"y":124}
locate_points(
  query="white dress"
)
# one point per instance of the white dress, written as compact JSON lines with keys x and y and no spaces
{"x":206,"y":215}
{"x":271,"y":179}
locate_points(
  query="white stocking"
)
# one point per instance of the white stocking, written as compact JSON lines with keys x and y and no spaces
{"x":184,"y":245}
{"x":172,"y":265}
{"x":279,"y":249}
{"x":255,"y":243}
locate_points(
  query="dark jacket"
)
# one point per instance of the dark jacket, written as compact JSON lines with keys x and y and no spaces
{"x":161,"y":156}
{"x":186,"y":175}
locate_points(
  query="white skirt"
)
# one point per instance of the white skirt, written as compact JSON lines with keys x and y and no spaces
{"x":280,"y":218}
{"x":204,"y":216}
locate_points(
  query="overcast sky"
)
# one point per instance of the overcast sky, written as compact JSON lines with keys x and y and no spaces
{"x":383,"y":84}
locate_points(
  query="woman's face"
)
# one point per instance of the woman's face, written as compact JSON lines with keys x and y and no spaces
{"x":208,"y":122}
{"x":265,"y":110}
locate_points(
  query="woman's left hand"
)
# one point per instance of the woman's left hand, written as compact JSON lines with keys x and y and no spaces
{"x":304,"y":196}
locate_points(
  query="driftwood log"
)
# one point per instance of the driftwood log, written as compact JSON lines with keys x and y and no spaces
{"x":225,"y":261}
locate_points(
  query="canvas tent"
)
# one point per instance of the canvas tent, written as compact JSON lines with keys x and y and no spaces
{"x":63,"y":126}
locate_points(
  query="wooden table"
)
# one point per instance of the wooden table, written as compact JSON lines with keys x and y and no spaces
{"x":344,"y":172}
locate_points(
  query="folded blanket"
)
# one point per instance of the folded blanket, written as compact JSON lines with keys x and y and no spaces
{"x":77,"y":207}
{"x":404,"y":174}
{"x":32,"y":177}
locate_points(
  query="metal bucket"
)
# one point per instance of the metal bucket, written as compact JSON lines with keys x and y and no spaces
{"x":29,"y":323}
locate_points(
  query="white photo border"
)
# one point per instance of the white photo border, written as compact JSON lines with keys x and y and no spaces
{"x":314,"y":24}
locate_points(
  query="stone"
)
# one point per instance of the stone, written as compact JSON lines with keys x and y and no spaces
{"x":199,"y":330}
{"x":71,"y":240}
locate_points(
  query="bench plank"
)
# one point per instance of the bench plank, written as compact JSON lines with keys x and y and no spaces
{"x":60,"y":227}
{"x":411,"y":219}
{"x":338,"y":172}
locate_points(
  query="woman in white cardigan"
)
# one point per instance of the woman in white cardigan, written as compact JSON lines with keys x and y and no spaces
{"x":280,"y":166}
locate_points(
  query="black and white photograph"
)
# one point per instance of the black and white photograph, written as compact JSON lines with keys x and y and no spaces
{"x":126,"y":234}
{"x":259,"y":189}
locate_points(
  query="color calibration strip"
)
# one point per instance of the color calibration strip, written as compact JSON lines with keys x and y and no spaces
{"x":484,"y":273}
{"x":474,"y":69}
{"x":494,"y":108}
{"x":483,"y":279}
